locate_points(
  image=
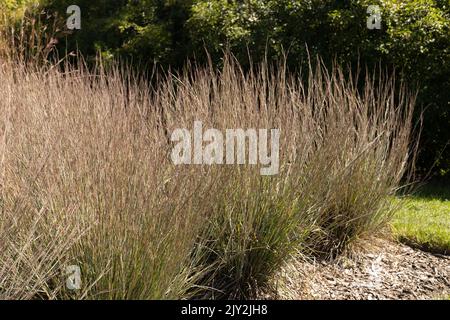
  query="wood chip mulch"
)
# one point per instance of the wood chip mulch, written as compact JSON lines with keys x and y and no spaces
{"x":387,"y":270}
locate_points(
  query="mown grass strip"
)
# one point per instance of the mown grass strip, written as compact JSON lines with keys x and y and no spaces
{"x":424,"y":220}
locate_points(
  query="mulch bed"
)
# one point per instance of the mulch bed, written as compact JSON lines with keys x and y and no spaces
{"x":387,"y":270}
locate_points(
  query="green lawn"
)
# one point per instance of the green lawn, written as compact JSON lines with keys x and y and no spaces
{"x":424,"y":220}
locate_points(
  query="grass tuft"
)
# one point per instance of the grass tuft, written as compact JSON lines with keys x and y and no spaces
{"x":86,"y":177}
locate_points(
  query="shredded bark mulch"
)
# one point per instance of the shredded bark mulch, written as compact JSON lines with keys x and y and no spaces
{"x":387,"y":270}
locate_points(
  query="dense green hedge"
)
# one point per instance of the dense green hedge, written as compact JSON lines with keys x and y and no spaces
{"x":414,"y":38}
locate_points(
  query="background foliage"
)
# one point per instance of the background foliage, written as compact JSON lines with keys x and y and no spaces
{"x":414,"y":39}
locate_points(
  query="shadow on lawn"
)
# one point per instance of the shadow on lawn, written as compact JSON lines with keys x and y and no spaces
{"x":427,"y":247}
{"x":434,"y":189}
